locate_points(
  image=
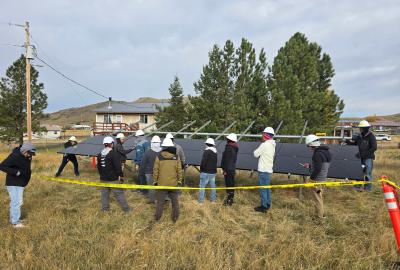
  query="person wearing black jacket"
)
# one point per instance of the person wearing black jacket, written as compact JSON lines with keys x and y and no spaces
{"x":18,"y":168}
{"x":120,"y":149}
{"x":69,"y":157}
{"x":208,"y":170}
{"x":319,"y":168}
{"x":367,"y":146}
{"x":110,"y":170}
{"x":228,"y":165}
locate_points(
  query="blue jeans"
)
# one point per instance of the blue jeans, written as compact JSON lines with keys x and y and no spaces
{"x":207,"y":178}
{"x":264,"y":180}
{"x":369,"y":164}
{"x":16,"y":200}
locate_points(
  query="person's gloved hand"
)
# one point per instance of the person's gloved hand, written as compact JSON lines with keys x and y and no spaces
{"x":224,"y":173}
{"x":358,"y":155}
{"x":307,"y":165}
{"x":18,"y":173}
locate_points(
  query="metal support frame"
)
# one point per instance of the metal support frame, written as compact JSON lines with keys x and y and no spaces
{"x":209,"y":134}
{"x":225,"y":130}
{"x":147,"y":126}
{"x":303,"y":178}
{"x":200,"y":128}
{"x":246,"y":130}
{"x":184,"y":127}
{"x":278,"y":127}
{"x":157,"y":130}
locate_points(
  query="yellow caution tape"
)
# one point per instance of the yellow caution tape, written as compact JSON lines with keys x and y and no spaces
{"x":134,"y":186}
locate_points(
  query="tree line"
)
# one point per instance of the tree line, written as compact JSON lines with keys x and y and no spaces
{"x":237,"y":84}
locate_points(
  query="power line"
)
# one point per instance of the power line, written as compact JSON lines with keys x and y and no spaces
{"x":53,"y":62}
{"x":72,"y":80}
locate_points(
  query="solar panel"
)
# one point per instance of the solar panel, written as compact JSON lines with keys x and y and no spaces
{"x":287,"y":156}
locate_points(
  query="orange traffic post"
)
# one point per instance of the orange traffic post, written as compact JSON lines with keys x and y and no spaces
{"x":392,"y":203}
{"x":94,"y":162}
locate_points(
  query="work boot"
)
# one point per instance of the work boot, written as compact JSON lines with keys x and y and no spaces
{"x":228,"y":202}
{"x":261,"y":209}
{"x":57,"y":175}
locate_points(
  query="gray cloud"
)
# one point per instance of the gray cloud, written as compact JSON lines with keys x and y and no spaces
{"x":129,"y":49}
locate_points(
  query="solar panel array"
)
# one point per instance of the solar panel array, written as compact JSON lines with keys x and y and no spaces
{"x":287,"y":156}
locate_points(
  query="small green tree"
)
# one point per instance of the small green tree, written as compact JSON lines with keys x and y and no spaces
{"x":177,"y":110}
{"x":13,"y":102}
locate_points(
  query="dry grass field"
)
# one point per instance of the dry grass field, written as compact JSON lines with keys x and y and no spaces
{"x":68,"y":231}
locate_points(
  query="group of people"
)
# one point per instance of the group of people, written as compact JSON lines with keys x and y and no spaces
{"x":162,"y":162}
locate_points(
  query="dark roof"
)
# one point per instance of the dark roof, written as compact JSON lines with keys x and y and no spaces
{"x":131,"y":107}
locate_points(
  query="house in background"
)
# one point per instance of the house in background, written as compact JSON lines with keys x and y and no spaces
{"x":53,"y":132}
{"x":125,"y":116}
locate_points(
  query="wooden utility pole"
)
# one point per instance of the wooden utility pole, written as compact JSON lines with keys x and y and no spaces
{"x":28,"y":84}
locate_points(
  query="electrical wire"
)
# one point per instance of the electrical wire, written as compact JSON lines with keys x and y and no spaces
{"x":69,"y":79}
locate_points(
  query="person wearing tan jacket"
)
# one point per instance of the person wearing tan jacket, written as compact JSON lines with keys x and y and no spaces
{"x":167,"y":171}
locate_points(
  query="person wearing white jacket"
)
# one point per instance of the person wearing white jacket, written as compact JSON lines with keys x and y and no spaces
{"x":265,"y":154}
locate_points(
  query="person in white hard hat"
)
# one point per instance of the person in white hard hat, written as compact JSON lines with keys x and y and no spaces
{"x":208,"y":170}
{"x":141,"y":146}
{"x":179,"y":149}
{"x":147,"y":165}
{"x":319,"y":168}
{"x":265,"y":154}
{"x":122,"y":152}
{"x":167,"y":171}
{"x":69,"y":157}
{"x":367,"y":146}
{"x":110,"y":169}
{"x":228,"y":165}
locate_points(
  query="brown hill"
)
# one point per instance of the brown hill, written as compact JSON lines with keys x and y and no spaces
{"x":85,"y":114}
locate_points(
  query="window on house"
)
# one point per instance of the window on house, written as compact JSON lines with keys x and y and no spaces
{"x":143,"y":118}
{"x":107,"y":118}
{"x":118,"y":118}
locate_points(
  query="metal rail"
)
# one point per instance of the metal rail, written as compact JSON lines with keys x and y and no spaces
{"x":254,"y":135}
{"x":247,"y":129}
{"x":200,"y":128}
{"x":219,"y":135}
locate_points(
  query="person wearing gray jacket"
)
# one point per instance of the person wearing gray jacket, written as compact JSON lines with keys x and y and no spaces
{"x":147,"y":164}
{"x":319,"y":168}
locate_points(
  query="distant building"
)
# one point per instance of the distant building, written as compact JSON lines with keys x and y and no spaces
{"x":81,"y":127}
{"x":53,"y":132}
{"x":348,"y":127}
{"x":125,"y":116}
{"x":388,"y":126}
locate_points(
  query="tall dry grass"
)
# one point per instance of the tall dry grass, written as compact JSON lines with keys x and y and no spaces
{"x":67,"y":230}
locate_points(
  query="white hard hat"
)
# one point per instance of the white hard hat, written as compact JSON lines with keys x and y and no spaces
{"x":155,"y":139}
{"x":167,"y":142}
{"x":210,"y":141}
{"x":364,"y":123}
{"x":72,"y":138}
{"x":139,"y":133}
{"x":269,"y":130}
{"x":312,"y":140}
{"x":169,"y":136}
{"x":232,"y":137}
{"x":108,"y":140}
{"x":120,"y":136}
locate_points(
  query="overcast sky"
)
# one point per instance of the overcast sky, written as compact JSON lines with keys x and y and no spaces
{"x":129,"y":49}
